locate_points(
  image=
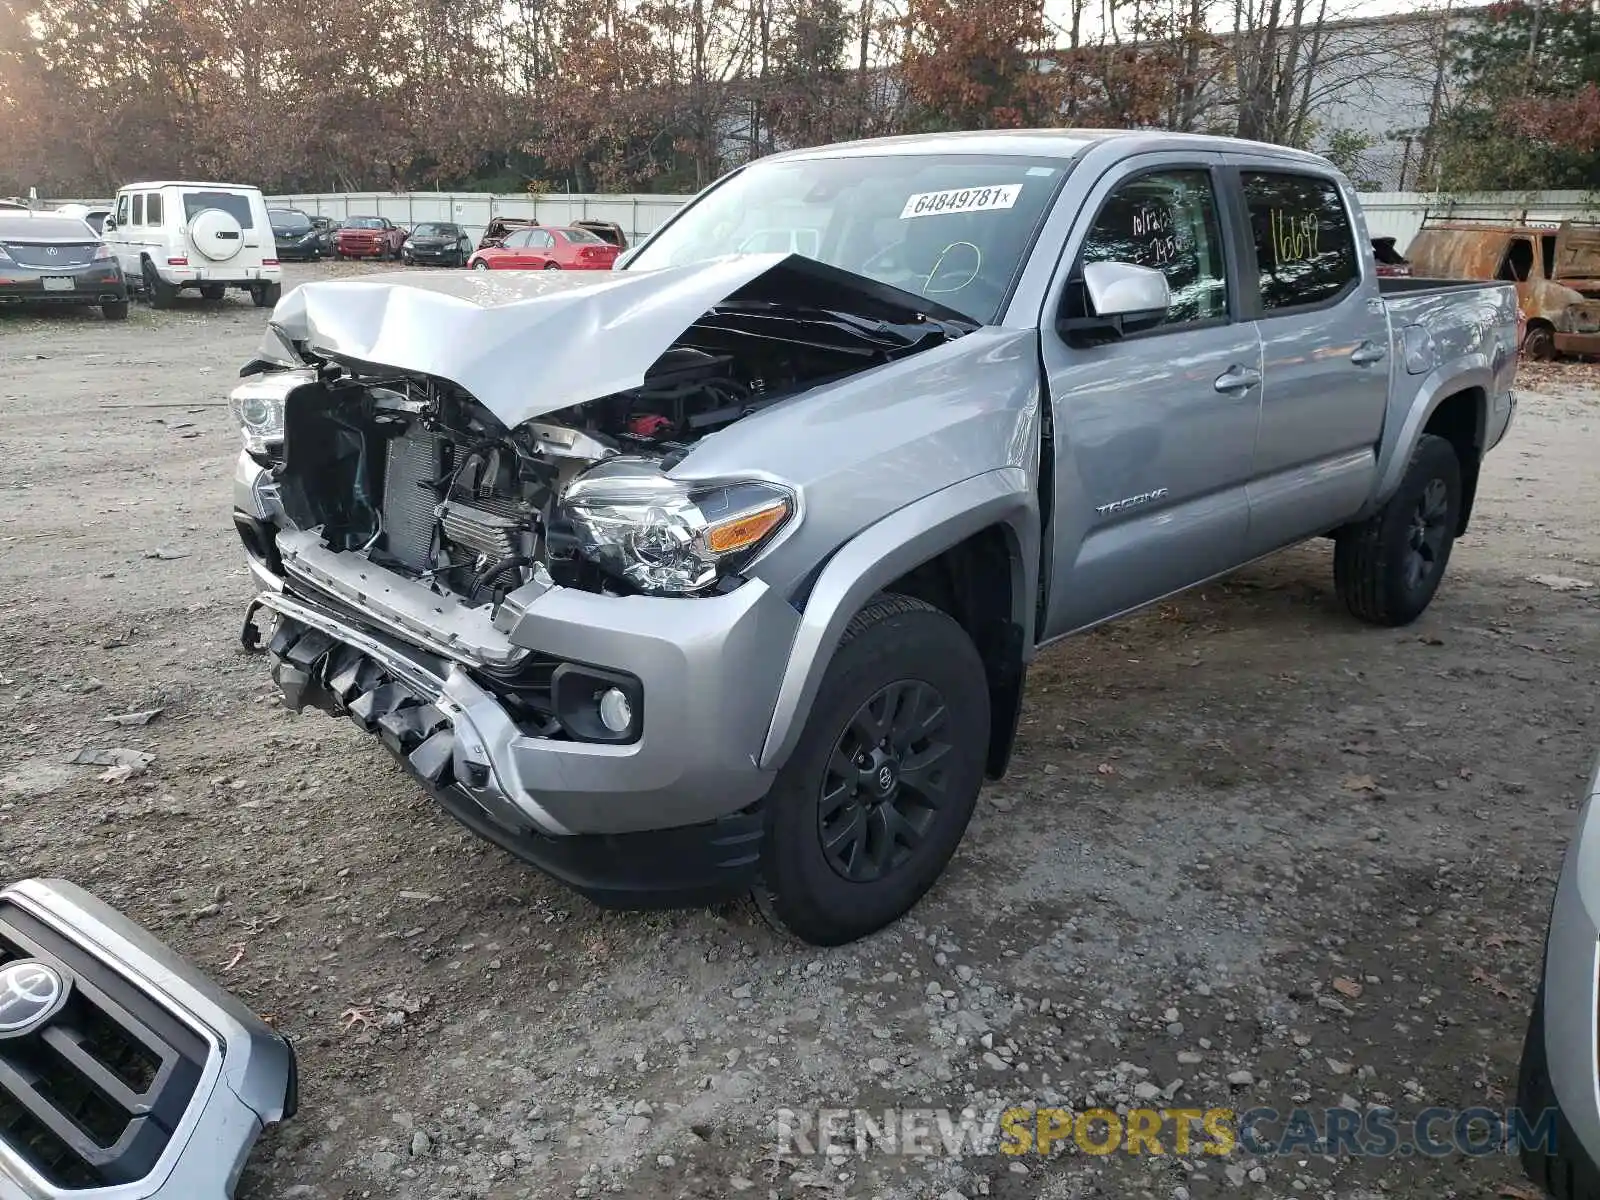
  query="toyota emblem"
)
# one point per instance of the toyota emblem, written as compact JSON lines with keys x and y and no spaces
{"x":885,"y":776}
{"x":31,"y":992}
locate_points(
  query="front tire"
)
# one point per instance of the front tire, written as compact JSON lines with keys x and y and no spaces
{"x":550,"y":266}
{"x":1539,"y":343}
{"x":878,"y":792}
{"x":1387,"y":568}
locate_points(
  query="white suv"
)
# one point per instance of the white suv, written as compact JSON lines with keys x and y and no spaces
{"x":209,"y":236}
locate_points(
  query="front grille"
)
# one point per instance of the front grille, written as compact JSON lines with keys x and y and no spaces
{"x":93,"y":1096}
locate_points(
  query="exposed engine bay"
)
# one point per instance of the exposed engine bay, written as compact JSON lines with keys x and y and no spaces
{"x":414,"y":473}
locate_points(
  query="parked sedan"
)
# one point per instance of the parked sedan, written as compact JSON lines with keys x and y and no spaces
{"x":297,"y":237}
{"x":547,"y":249}
{"x":45,"y":258}
{"x":438,"y":243}
{"x":1558,"y":1073}
{"x":369,"y":237}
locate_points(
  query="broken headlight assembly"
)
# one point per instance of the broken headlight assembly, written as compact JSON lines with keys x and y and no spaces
{"x":258,"y":404}
{"x":663,"y":536}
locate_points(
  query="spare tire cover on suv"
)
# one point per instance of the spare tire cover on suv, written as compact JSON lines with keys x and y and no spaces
{"x":216,"y":234}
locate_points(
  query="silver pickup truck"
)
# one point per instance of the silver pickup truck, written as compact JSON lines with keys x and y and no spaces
{"x":722,"y":571}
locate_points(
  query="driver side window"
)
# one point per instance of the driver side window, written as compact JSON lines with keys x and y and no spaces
{"x":1168,"y":221}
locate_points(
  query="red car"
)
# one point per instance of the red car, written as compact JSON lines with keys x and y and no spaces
{"x":368,"y":237}
{"x":547,"y":249}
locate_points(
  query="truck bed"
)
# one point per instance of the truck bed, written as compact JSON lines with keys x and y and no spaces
{"x":1394,"y":285}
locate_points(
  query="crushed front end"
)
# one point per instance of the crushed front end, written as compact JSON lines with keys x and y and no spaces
{"x":498,"y":573}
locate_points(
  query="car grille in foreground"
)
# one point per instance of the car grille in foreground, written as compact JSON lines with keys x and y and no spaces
{"x":92,"y":1097}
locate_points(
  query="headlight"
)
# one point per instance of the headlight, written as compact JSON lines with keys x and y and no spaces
{"x":258,"y":405}
{"x":662,"y":536}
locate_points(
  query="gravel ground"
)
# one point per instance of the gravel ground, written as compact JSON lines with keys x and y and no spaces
{"x":1250,"y":852}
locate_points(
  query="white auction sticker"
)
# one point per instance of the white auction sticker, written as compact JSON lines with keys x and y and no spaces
{"x":958,"y":200}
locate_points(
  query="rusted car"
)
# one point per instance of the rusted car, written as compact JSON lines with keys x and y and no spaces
{"x":607,"y":231}
{"x":500,"y":228}
{"x":1555,"y":267}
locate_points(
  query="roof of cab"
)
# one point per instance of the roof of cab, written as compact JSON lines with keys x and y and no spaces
{"x":188,"y":183}
{"x":1042,"y":143}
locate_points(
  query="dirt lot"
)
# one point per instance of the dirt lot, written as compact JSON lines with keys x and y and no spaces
{"x":1218,"y":809}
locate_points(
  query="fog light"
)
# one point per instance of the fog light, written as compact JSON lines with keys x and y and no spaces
{"x":616,"y":714}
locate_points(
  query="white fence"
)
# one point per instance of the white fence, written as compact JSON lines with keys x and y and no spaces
{"x":1389,"y":214}
{"x":638,"y":215}
{"x":1399,"y":214}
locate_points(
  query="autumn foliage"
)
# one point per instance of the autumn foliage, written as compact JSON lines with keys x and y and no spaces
{"x":653,"y":95}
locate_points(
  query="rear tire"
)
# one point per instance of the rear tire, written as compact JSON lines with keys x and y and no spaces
{"x":1387,"y":568}
{"x":213,"y":291}
{"x":161,"y":293}
{"x":552,"y":266}
{"x":847,"y":848}
{"x":266,"y":295}
{"x":116,"y":310}
{"x":1539,"y":343}
{"x":481,"y":265}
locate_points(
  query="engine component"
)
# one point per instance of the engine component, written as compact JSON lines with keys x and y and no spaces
{"x":415,"y":463}
{"x":490,"y":525}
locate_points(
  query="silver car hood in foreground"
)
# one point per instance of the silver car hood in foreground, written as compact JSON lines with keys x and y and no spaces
{"x":526,"y":343}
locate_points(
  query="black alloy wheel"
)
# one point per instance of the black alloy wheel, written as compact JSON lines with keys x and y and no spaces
{"x":1429,"y":534}
{"x":885,"y":781}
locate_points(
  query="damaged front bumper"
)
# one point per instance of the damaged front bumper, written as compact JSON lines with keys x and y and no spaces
{"x":139,"y":1078}
{"x":669,"y":814}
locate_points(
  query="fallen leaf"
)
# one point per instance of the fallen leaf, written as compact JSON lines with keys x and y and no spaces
{"x":1561,"y":583}
{"x":1348,"y":987}
{"x":1520,"y":1191}
{"x":1106,"y":769}
{"x":238,"y":954}
{"x":1360,"y":783}
{"x":166,"y":555}
{"x":118,"y":758}
{"x":356,"y":1016}
{"x":1479,"y":975}
{"x":134,"y":718}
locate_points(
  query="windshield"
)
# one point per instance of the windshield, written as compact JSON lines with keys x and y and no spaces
{"x":44,"y":229}
{"x":364,"y":223}
{"x":950,"y":227}
{"x":232,"y":203}
{"x":433,"y":229}
{"x":289,"y":222}
{"x":583,"y":237}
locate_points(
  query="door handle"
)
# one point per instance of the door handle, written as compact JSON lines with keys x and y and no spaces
{"x":1367,"y":353}
{"x":1237,"y":379}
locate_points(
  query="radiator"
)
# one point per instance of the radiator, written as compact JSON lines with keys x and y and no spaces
{"x":411,"y":480}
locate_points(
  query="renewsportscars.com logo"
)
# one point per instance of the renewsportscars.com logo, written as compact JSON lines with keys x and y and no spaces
{"x":1261,"y":1132}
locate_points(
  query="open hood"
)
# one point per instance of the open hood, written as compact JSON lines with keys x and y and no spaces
{"x":528,"y":343}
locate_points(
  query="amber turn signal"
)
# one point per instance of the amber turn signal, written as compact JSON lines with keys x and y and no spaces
{"x":742,"y":532}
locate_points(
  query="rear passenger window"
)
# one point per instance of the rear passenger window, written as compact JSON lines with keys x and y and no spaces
{"x":1305,"y":246}
{"x":138,"y":209}
{"x":152,"y":209}
{"x":1168,"y":221}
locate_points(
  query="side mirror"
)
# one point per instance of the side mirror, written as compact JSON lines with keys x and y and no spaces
{"x":109,"y":226}
{"x":1121,"y":298}
{"x":1118,"y":289}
